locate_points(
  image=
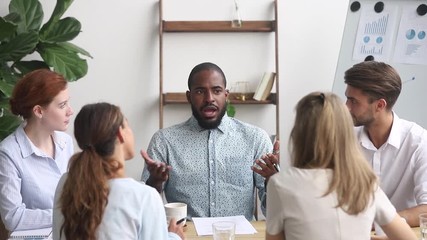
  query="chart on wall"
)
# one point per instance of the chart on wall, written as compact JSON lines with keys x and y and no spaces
{"x":394,"y":32}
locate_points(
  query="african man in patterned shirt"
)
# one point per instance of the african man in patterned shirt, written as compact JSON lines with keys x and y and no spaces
{"x":208,"y":160}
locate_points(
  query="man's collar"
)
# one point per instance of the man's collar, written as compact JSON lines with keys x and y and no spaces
{"x":394,"y":138}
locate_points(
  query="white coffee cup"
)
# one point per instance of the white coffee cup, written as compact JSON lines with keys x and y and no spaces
{"x":176,"y":210}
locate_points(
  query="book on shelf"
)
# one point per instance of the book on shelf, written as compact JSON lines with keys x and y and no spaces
{"x":41,"y":233}
{"x":264,"y":86}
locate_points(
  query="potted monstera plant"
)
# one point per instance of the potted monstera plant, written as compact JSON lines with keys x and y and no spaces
{"x":27,"y":44}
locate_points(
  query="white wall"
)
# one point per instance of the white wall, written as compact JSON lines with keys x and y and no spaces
{"x":122,"y":36}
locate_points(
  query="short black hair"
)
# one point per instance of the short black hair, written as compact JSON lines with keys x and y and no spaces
{"x":205,"y":66}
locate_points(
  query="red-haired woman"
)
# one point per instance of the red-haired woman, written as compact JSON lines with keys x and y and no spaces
{"x":34,"y":157}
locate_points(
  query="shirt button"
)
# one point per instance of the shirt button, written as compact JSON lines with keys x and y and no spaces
{"x":213,"y":182}
{"x":211,"y":161}
{"x":213,"y":204}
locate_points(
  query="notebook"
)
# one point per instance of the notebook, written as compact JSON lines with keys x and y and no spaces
{"x":34,"y":233}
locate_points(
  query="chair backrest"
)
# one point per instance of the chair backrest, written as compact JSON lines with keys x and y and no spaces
{"x":4,"y":234}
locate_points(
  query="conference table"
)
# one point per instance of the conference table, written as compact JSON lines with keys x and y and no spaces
{"x":191,"y":234}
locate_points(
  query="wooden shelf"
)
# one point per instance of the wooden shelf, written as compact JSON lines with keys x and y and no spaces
{"x":180,"y":98}
{"x":217,"y":26}
{"x":263,"y":26}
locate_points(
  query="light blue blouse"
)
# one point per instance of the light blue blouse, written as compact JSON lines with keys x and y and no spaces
{"x":134,"y":212}
{"x":28,"y":179}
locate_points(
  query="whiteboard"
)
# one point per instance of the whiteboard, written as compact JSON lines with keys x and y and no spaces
{"x":393,"y":28}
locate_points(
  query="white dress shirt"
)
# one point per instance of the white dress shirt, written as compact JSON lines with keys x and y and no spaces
{"x":28,"y":179}
{"x":400,"y":163}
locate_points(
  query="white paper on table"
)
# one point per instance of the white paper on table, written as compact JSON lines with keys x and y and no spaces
{"x":204,"y":225}
{"x":43,"y":233}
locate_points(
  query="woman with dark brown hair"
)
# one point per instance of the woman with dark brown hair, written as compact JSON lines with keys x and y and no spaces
{"x":34,"y":157}
{"x":95,"y":200}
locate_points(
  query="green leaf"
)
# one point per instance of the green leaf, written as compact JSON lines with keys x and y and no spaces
{"x":6,"y":88}
{"x":20,"y":36}
{"x":31,"y":13}
{"x":231,"y":110}
{"x":7,"y":74}
{"x":64,"y":30}
{"x":4,"y":103}
{"x":7,"y":29}
{"x":13,"y":18}
{"x":63,"y":60}
{"x":60,"y":7}
{"x":19,"y":46}
{"x":8,"y":123}
{"x":76,"y":49}
{"x":25,"y":67}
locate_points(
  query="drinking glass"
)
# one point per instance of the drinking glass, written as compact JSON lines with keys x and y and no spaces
{"x":241,"y":90}
{"x":223,"y":230}
{"x":423,"y":226}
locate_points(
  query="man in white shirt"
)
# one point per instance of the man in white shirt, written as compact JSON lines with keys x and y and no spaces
{"x":396,"y":148}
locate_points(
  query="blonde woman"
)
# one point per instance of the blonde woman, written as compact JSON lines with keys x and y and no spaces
{"x":330,"y":191}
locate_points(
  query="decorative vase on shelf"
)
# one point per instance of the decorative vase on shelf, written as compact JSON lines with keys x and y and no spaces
{"x":236,"y":22}
{"x":241,"y":90}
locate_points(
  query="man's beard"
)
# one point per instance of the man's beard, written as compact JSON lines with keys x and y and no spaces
{"x":363,"y":121}
{"x":208,"y":124}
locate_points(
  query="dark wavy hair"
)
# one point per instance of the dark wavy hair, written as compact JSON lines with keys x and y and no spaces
{"x":85,"y":192}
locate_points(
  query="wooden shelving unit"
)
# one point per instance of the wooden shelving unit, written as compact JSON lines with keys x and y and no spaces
{"x":180,"y":98}
{"x":263,"y":26}
{"x":217,"y":26}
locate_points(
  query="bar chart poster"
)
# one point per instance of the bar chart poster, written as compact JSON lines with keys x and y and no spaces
{"x":375,"y":33}
{"x":411,"y":43}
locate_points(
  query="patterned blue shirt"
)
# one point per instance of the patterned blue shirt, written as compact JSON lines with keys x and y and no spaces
{"x":211,"y":169}
{"x":28,"y":179}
